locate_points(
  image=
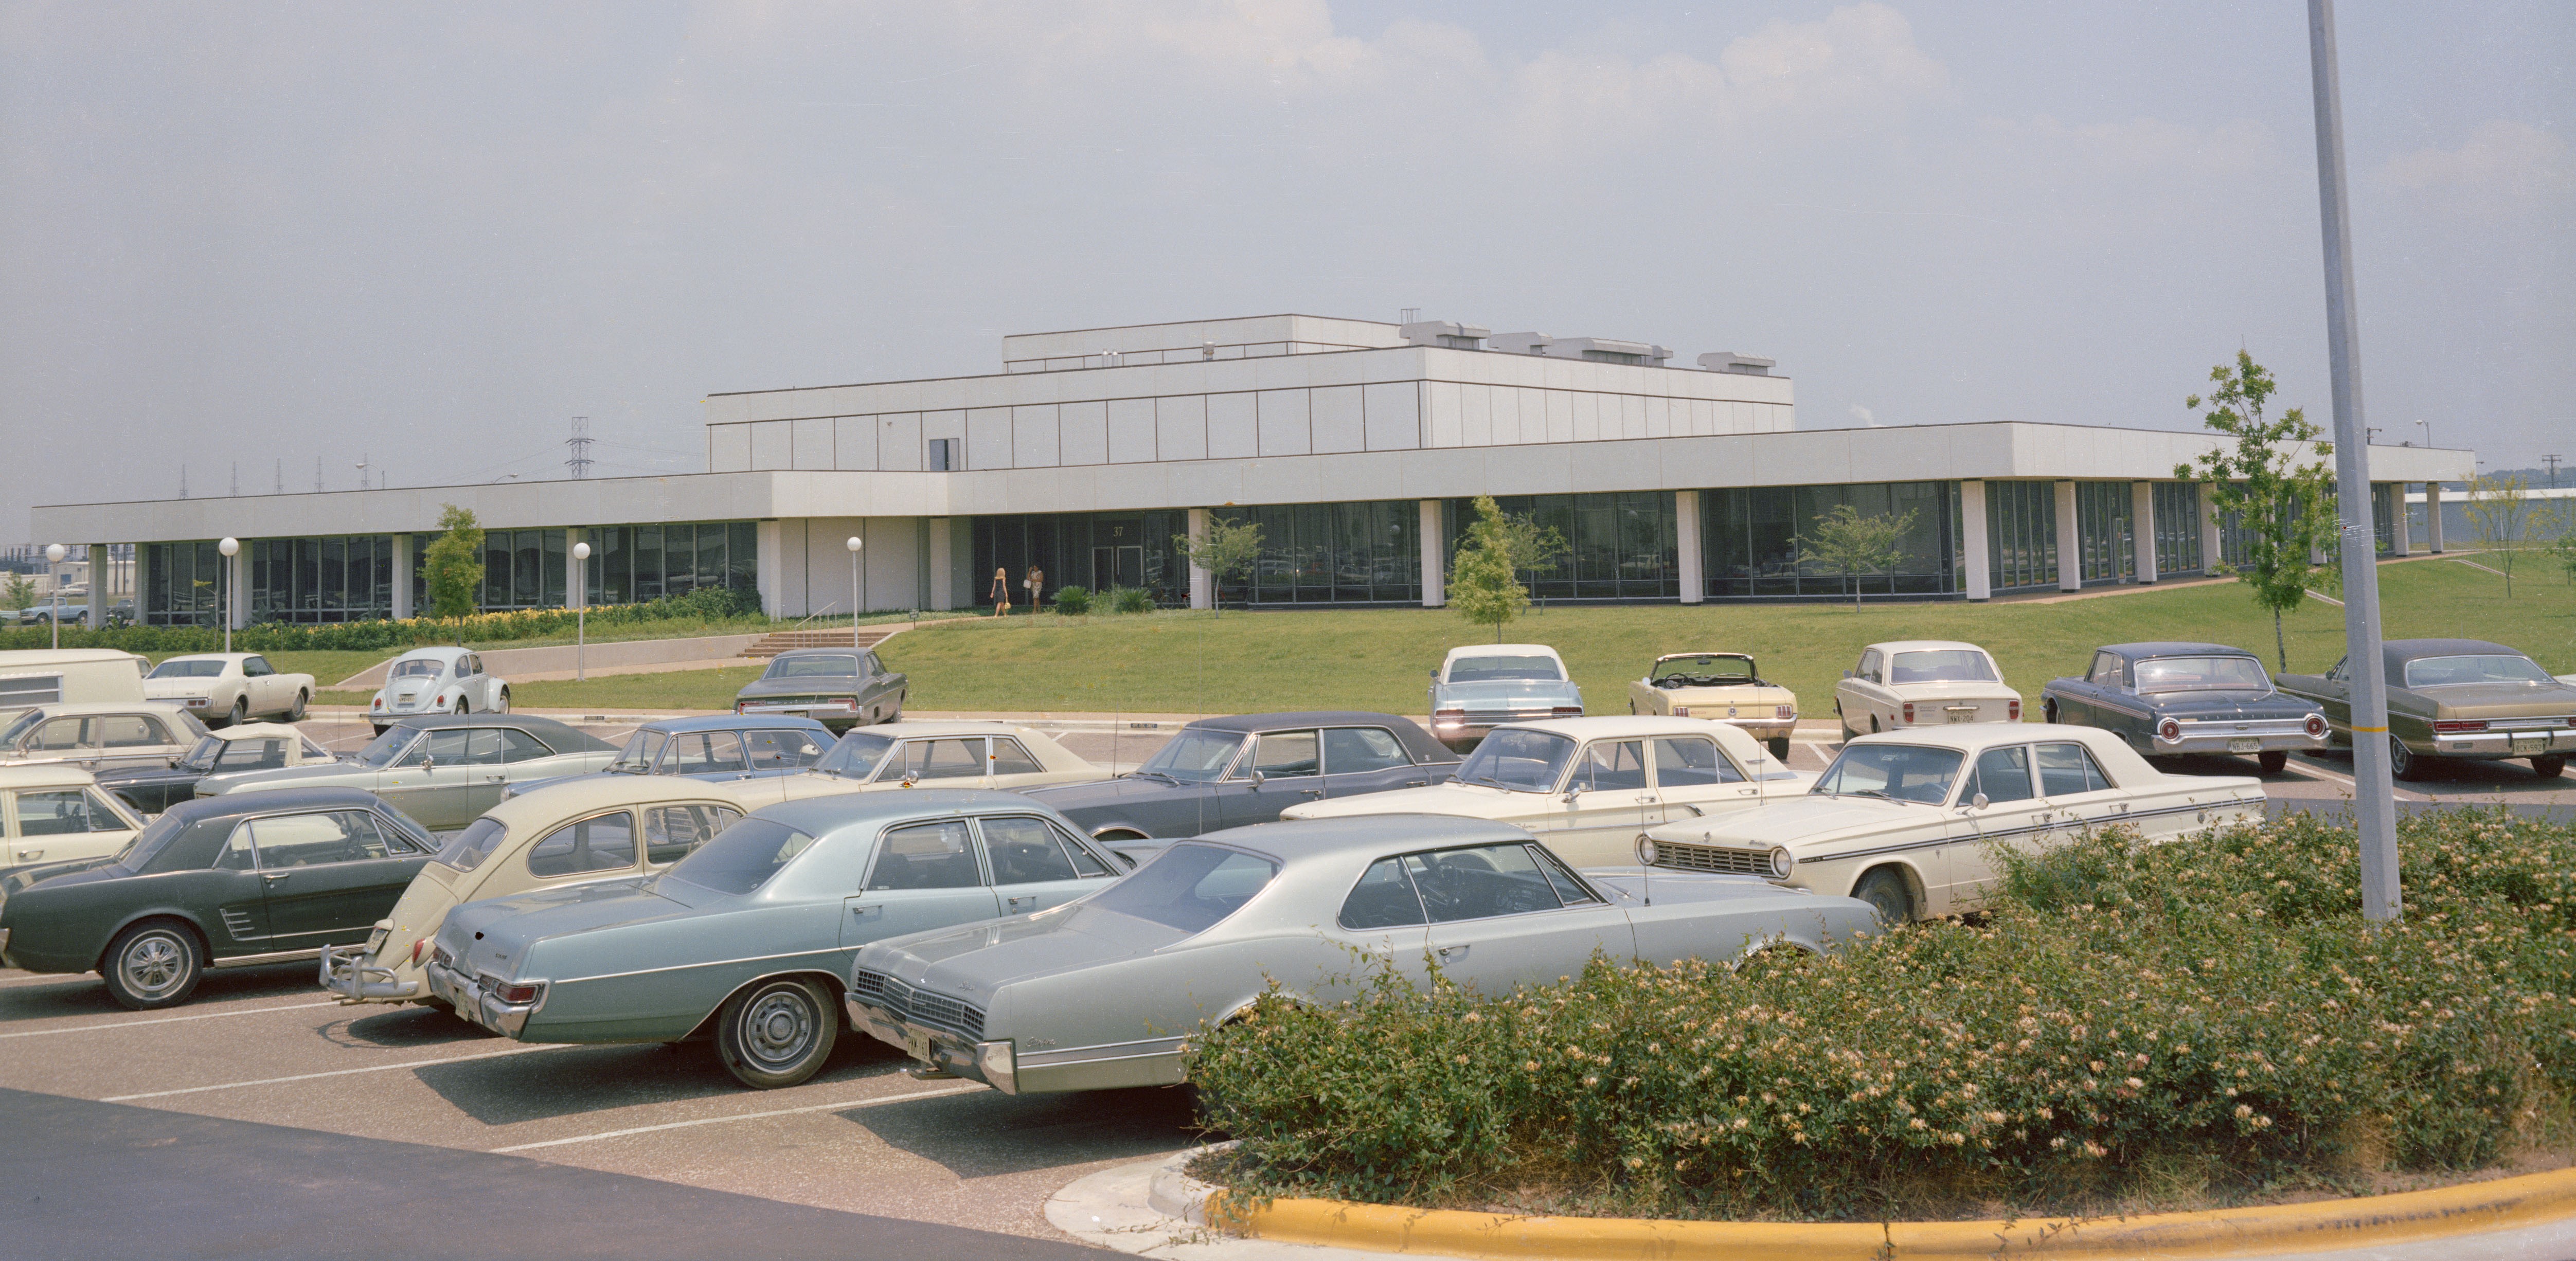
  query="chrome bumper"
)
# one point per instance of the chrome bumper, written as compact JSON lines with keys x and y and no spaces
{"x":466,"y":995}
{"x":991,"y":1063}
{"x":346,"y":974}
{"x":2222,"y":743}
{"x":2498,"y":744}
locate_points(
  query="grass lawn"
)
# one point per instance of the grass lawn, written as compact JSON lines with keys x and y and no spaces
{"x":1380,"y":659}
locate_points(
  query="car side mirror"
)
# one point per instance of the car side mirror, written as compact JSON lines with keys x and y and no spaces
{"x":1978,"y":801}
{"x":1572,"y":792}
{"x":1258,"y":779}
{"x":428,"y":763}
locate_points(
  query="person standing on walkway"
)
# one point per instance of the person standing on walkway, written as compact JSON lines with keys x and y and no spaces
{"x":1037,"y":589}
{"x":1002,"y":592}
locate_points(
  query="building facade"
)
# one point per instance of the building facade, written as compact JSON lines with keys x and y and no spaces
{"x":1358,"y":447}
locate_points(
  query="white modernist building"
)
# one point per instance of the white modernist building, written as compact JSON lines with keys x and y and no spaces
{"x":1357,"y":446}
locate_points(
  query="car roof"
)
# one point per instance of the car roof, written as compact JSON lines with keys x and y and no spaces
{"x":834,"y":811}
{"x":561,"y":738}
{"x":59,"y":656}
{"x":258,"y":731}
{"x":826,"y":651}
{"x":73,"y":709}
{"x":2174,"y":648}
{"x":1293,"y":839}
{"x":732,"y":722}
{"x":44,"y":775}
{"x":208,"y":656}
{"x":1972,"y":737}
{"x":1299,"y":718}
{"x":273,"y":801}
{"x":587,"y":793}
{"x":1925,"y":645}
{"x":1502,"y":650}
{"x":437,"y":652}
{"x":2401,"y":650}
{"x":1608,"y":725}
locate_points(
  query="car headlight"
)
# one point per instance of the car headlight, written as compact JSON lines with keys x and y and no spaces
{"x":1782,"y":862}
{"x":1646,"y":850}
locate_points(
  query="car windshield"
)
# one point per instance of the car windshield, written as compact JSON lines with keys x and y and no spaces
{"x":1488,"y":669}
{"x":180,"y":669}
{"x":202,"y":757}
{"x":2489,"y":668}
{"x":637,"y":757}
{"x":466,"y":850}
{"x":1520,"y":760}
{"x":1944,"y":665}
{"x":381,"y":751}
{"x":855,"y":755}
{"x":1706,"y":671}
{"x":2202,"y":674}
{"x":1190,"y":887}
{"x":829,"y":666}
{"x":742,"y":857}
{"x":25,"y":723}
{"x":418,"y":668}
{"x":1899,"y":772}
{"x":1194,"y":755}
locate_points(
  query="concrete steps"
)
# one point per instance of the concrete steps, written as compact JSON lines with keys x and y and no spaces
{"x":776,"y":642}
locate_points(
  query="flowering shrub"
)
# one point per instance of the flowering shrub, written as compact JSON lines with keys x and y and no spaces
{"x":2206,"y":1018}
{"x":704,"y":604}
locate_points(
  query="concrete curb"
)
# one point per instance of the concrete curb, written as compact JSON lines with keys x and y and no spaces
{"x":1155,"y":1209}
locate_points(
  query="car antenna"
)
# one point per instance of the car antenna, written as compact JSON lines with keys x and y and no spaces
{"x":1645,"y":849}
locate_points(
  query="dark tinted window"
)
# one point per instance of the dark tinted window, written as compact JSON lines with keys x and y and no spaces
{"x":1384,"y":898}
{"x":1190,"y":887}
{"x":1569,"y":887}
{"x":519,"y":746}
{"x":1350,"y":749}
{"x":743,"y":858}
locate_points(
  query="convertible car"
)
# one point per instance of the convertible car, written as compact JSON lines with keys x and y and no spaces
{"x":2456,"y":698}
{"x":1230,"y":772}
{"x":749,"y":939}
{"x":1104,"y":993}
{"x":1906,"y":821}
{"x":442,"y":769}
{"x":2168,"y":698}
{"x":257,"y":746}
{"x":1720,"y":687}
{"x":1587,"y":786}
{"x":1483,"y":686}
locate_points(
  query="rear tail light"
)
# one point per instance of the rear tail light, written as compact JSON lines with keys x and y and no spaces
{"x":1566,"y":711}
{"x":1448,"y":718}
{"x":419,"y":948}
{"x":2454,"y":726}
{"x":1909,"y":711}
{"x":515,"y":993}
{"x":1785,"y":713}
{"x":2169,"y":731}
{"x":2315,"y":726}
{"x":740,"y":708}
{"x":2012,"y":711}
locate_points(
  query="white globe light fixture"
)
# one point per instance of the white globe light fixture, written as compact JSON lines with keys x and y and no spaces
{"x":54,"y":553}
{"x":230,"y":547}
{"x":581,"y":614}
{"x":854,"y":544}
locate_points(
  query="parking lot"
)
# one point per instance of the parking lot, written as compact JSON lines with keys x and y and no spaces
{"x":263,"y":1045}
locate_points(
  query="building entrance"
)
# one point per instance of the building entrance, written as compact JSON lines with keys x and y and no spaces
{"x":1118,"y":566}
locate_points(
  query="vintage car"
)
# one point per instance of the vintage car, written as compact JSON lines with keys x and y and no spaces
{"x":964,"y":753}
{"x":1483,"y":686}
{"x":226,"y":882}
{"x":1908,"y":821}
{"x":229,"y":687}
{"x":582,"y":831}
{"x":98,"y":737}
{"x":1230,"y":772}
{"x":840,"y":688}
{"x":1105,"y":992}
{"x":1587,"y":786}
{"x":750,"y":939}
{"x":1720,"y":687}
{"x":2165,"y":698}
{"x":442,"y":769}
{"x":50,"y":812}
{"x":1922,"y":682}
{"x":258,"y":746}
{"x":716,"y":747}
{"x":436,"y":681}
{"x":2456,"y":698}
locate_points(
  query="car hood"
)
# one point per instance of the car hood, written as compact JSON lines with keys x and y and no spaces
{"x":1803,"y":820}
{"x":1494,"y":693}
{"x":318,"y":773}
{"x":124,"y":775}
{"x":974,"y":960}
{"x":1473,"y":801}
{"x":2499,"y":700}
{"x":2224,"y":705}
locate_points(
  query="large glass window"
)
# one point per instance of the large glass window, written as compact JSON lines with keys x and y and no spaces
{"x":1096,"y":550}
{"x":180,"y":583}
{"x":2177,"y":528}
{"x":2021,"y":534}
{"x":636,"y":563}
{"x":2105,"y":526}
{"x":1749,"y":538}
{"x":337,"y":579}
{"x":1619,"y":546}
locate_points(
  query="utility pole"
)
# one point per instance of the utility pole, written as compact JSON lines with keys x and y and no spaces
{"x":362,"y":470}
{"x":2374,"y":802}
{"x":2552,"y":462}
{"x":579,"y":444}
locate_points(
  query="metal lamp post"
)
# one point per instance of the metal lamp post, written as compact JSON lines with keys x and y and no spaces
{"x":223,"y":608}
{"x":54,"y":553}
{"x":581,"y":614}
{"x":854,"y":545}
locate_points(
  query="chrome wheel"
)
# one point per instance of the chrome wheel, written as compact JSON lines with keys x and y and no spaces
{"x":779,"y":1029}
{"x":2401,"y":760}
{"x":153,"y":965}
{"x":777,"y":1034}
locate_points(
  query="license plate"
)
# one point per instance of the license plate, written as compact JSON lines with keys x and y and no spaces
{"x":2244,"y":746}
{"x":917,"y":1045}
{"x":1963,"y":715}
{"x":2531,"y":744}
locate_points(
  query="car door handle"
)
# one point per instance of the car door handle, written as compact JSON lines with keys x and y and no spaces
{"x":1448,"y":953}
{"x":1022,"y":903}
{"x":497,"y":779}
{"x":1417,"y":783}
{"x":1311,"y":792}
{"x":864,"y":912}
{"x":1748,"y":792}
{"x":274,"y":876}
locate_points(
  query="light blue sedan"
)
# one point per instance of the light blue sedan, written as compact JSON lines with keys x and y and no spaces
{"x":1479,"y":688}
{"x":719,"y":747}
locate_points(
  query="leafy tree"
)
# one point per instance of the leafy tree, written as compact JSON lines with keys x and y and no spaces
{"x":1228,"y":553}
{"x":1485,"y":583}
{"x":19,"y":593}
{"x":1847,"y":543}
{"x":454,"y":563}
{"x":2563,"y":523}
{"x":2501,"y":516}
{"x":2286,"y":505}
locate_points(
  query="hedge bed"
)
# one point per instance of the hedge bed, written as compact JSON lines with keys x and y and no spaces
{"x":2198,"y":1023}
{"x":706,"y":604}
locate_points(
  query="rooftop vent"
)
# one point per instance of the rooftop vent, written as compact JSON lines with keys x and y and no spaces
{"x":1741,"y":365}
{"x":1446,"y":335}
{"x":1595,"y":349}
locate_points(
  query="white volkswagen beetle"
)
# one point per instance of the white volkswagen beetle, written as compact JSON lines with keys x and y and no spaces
{"x":1588,"y":786}
{"x":436,"y":681}
{"x":1923,"y":682}
{"x":1908,"y":821}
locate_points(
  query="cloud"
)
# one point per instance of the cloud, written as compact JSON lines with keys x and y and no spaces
{"x":1864,"y":416}
{"x":2503,"y":170}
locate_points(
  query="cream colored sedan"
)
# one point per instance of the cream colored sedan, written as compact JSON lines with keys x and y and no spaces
{"x":1923,"y":683}
{"x":960,"y":754}
{"x":51,"y":813}
{"x":1911,"y":821}
{"x":1589,"y":786}
{"x":578,"y":832}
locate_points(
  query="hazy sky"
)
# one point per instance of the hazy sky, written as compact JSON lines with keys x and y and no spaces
{"x":429,"y":234}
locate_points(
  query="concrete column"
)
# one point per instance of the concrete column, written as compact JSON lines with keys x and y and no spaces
{"x":939,"y":541}
{"x":2433,"y":516}
{"x":576,"y":572}
{"x":769,"y":567}
{"x":1435,"y":557}
{"x":1202,"y":583}
{"x":2070,"y":541}
{"x":2210,"y":542}
{"x":2401,"y":530}
{"x":102,"y":592}
{"x":1694,"y":574}
{"x":403,"y":563}
{"x":237,"y":586}
{"x":1973,"y":541}
{"x":2142,"y":514}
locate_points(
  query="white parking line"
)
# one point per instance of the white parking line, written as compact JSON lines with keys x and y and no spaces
{"x":51,"y":978}
{"x":169,"y":1020}
{"x":337,"y":1072}
{"x":2298,"y":767}
{"x":844,"y":1106}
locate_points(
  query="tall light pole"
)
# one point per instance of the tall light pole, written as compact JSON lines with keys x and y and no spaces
{"x":854,"y":545}
{"x":581,"y":613}
{"x":54,"y":553}
{"x":223,"y":605}
{"x":2374,"y":803}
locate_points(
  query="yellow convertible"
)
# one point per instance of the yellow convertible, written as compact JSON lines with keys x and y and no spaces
{"x":1720,"y":687}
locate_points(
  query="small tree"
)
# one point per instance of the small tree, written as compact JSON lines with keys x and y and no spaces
{"x":2562,"y":522}
{"x":1847,"y":543}
{"x":2286,"y":505}
{"x":2501,"y":517}
{"x":1229,"y":551}
{"x":1484,"y":584}
{"x":1533,"y":548}
{"x":454,"y":562}
{"x":20,"y":592}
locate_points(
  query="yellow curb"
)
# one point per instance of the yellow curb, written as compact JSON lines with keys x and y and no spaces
{"x":2369,"y":1221}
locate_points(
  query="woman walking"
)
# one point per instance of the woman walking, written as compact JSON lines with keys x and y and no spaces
{"x":1002,"y":592}
{"x":1036,"y":584}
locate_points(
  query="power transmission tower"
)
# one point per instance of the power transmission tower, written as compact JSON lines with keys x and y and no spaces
{"x":579,"y":442}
